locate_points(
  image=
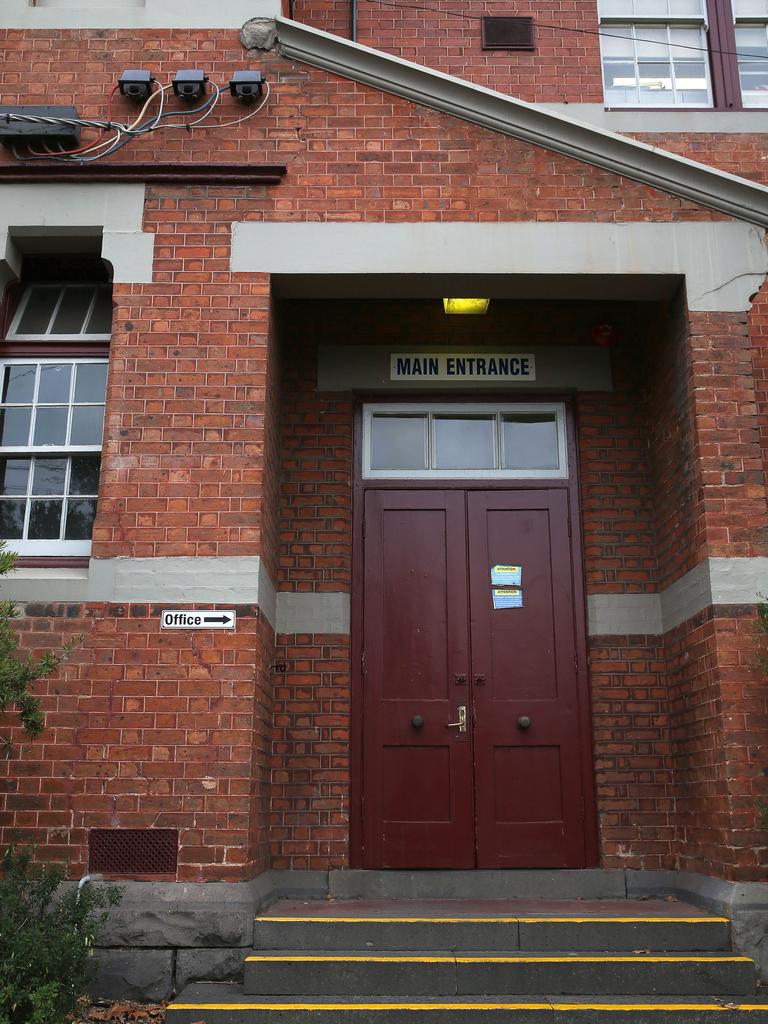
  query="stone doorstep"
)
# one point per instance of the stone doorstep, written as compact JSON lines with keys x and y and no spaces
{"x":179,"y":930}
{"x":227,"y":1004}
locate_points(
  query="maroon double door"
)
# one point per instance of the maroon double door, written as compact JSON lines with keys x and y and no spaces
{"x":474,"y":753}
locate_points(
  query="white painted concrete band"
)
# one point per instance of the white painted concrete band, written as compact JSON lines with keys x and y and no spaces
{"x":667,"y":122}
{"x":313,"y":613}
{"x":113,"y":212}
{"x":245,"y":580}
{"x":624,"y":614}
{"x":718,"y":581}
{"x":185,"y":14}
{"x":724,"y":263}
{"x":227,"y":580}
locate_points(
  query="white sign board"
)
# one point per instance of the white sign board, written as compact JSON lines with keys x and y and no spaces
{"x":491,"y":366}
{"x":200,"y":618}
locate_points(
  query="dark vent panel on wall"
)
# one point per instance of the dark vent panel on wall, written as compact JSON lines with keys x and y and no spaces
{"x":133,"y":851}
{"x":507,"y":33}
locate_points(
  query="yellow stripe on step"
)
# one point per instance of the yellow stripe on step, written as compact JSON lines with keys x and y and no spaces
{"x":497,"y":920}
{"x":407,"y":959}
{"x":485,"y":1006}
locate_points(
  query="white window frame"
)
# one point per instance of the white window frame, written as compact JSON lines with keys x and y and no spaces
{"x":637,"y":23}
{"x":755,"y":20}
{"x":49,"y":548}
{"x":431,"y":409}
{"x":44,"y":338}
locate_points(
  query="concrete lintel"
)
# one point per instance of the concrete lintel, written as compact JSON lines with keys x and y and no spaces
{"x":138,"y":14}
{"x":367,"y":368}
{"x":114,"y":212}
{"x":724,"y":263}
{"x":530,"y":122}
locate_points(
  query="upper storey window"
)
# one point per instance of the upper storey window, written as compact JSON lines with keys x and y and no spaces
{"x":53,"y":376}
{"x":751,"y":27}
{"x":654,"y":53}
{"x":63,"y":312}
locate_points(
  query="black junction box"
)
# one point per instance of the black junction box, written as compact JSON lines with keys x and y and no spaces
{"x":29,"y":133}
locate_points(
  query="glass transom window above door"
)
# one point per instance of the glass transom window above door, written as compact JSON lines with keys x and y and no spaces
{"x":464,"y":441}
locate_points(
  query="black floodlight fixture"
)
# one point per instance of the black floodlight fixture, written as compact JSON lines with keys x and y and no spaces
{"x":246,"y":85}
{"x":189,"y":84}
{"x":136,"y":84}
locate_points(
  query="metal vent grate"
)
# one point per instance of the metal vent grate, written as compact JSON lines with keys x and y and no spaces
{"x":507,"y":34}
{"x":133,"y":851}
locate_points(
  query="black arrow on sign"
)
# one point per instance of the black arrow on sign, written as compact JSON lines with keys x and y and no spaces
{"x":212,"y":618}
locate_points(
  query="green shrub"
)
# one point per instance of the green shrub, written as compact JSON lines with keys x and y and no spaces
{"x":46,"y":940}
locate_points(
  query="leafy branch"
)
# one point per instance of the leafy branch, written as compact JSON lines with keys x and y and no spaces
{"x":18,"y":671}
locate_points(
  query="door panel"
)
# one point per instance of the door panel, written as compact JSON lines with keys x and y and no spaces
{"x":528,"y":781}
{"x":418,"y":802}
{"x":498,"y":795}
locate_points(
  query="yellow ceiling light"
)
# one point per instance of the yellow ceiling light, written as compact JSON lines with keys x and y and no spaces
{"x":466,"y":305}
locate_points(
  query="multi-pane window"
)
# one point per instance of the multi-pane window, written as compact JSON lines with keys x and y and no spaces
{"x":654,"y":53}
{"x":466,"y":441}
{"x":751,"y":28}
{"x":52,"y":396}
{"x":51,"y":425}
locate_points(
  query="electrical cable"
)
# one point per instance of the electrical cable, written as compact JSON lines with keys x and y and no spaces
{"x":582,"y":31}
{"x":230,"y":124}
{"x":125,"y":133}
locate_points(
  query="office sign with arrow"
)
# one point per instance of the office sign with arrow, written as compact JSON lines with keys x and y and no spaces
{"x":199,"y":618}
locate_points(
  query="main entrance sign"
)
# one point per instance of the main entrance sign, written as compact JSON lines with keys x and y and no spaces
{"x":501,"y":367}
{"x":473,"y":754}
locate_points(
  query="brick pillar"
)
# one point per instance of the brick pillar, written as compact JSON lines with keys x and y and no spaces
{"x":714,"y":508}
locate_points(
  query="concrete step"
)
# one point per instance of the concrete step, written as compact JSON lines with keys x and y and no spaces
{"x":562,"y":884}
{"x":227,"y":1004}
{"x":299,"y":973}
{"x":609,"y":925}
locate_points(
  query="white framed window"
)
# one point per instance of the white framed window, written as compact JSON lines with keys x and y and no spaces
{"x":654,"y":53}
{"x":51,"y":427}
{"x":751,"y":30}
{"x":63,"y":312}
{"x":406,"y":440}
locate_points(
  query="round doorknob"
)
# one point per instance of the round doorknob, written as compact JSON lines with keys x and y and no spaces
{"x":417,"y":721}
{"x":523,"y":722}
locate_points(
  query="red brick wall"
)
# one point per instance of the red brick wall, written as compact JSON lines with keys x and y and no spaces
{"x":718,"y":719}
{"x":148,"y":729}
{"x":316,"y":443}
{"x":617,"y":496}
{"x":310,"y":759}
{"x":727,"y":433}
{"x":354,"y":153}
{"x":565,"y":66}
{"x":633,"y":765}
{"x":144,"y":729}
{"x":631,"y":729}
